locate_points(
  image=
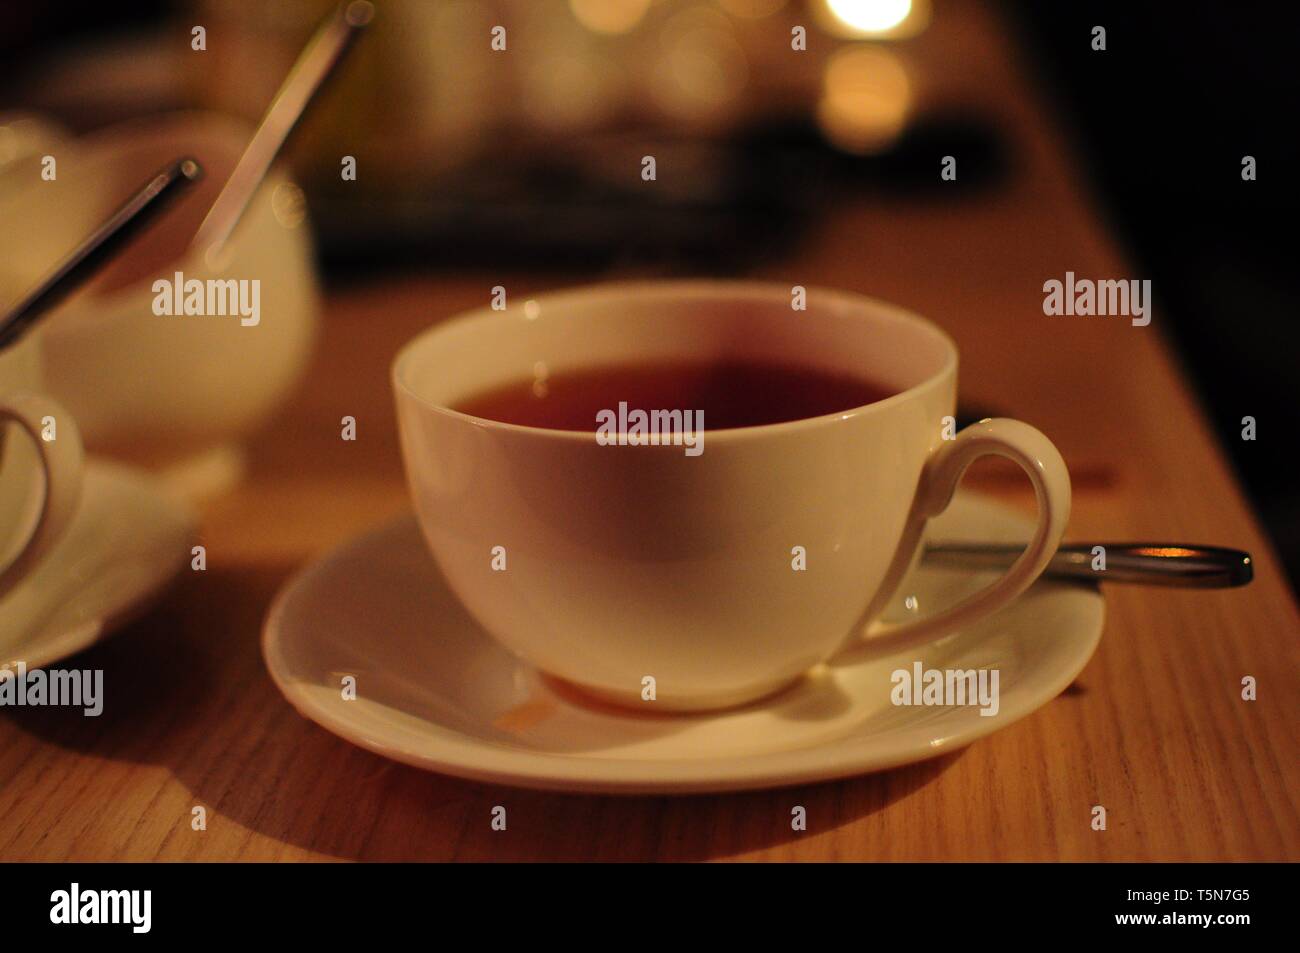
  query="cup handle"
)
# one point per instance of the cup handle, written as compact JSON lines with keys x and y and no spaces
{"x":1041,"y":462}
{"x":61,"y":462}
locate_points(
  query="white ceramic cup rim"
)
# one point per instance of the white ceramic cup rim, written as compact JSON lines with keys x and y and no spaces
{"x":416,"y":351}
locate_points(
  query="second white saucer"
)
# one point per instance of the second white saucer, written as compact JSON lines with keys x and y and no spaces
{"x":433,"y":690}
{"x":129,"y":538}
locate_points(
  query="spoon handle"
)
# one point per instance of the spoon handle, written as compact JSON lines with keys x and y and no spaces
{"x":1152,"y":564}
{"x":315,"y":64}
{"x":98,"y":248}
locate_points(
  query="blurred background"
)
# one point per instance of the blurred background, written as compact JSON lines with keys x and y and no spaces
{"x":470,"y":158}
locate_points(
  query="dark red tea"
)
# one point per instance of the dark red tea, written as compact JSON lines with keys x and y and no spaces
{"x":736,"y":394}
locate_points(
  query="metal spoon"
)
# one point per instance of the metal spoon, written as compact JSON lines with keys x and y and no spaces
{"x":1152,"y":564}
{"x":106,"y":241}
{"x":318,"y":59}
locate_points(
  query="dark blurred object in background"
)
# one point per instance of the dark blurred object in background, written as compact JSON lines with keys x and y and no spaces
{"x":470,"y":155}
{"x":1162,"y":120}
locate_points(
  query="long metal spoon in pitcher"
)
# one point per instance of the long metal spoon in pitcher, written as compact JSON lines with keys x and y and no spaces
{"x":103,"y":244}
{"x":318,"y":60}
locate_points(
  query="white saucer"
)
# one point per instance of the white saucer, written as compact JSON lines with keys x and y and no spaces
{"x":434,"y":691}
{"x":129,"y":538}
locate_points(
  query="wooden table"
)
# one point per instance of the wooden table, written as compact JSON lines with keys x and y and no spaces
{"x":1155,"y":728}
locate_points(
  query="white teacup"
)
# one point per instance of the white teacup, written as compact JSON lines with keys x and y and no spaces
{"x":624,"y":563}
{"x":40,"y":465}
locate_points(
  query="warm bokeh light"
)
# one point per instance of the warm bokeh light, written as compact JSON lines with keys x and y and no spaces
{"x":609,"y":16}
{"x":751,"y":9}
{"x":873,"y":18}
{"x":289,"y":205}
{"x":701,"y":69}
{"x":870,"y":16}
{"x":569,"y":92}
{"x":541,"y":379}
{"x":866,"y":99}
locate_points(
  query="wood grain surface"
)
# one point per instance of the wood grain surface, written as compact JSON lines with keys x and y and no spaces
{"x":1154,"y":729}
